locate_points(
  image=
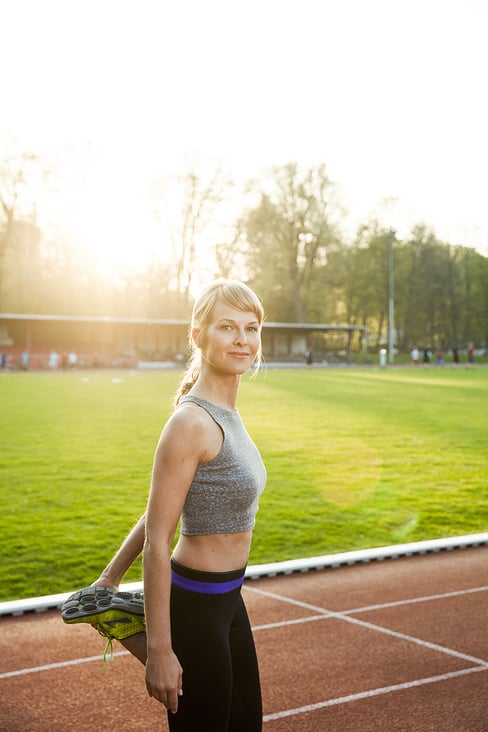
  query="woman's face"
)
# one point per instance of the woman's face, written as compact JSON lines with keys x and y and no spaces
{"x":231,"y":341}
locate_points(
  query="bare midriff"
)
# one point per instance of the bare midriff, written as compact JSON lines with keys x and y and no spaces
{"x":214,"y":552}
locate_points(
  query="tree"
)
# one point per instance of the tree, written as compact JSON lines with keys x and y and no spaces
{"x":358,"y":274}
{"x":474,"y":286}
{"x":427,"y":297}
{"x":288,"y":234}
{"x":19,"y":171}
{"x":187,"y":206}
{"x":440,"y":294}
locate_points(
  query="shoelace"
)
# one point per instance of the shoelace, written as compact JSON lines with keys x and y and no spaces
{"x":108,"y":645}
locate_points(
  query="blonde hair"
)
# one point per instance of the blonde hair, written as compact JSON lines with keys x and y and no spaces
{"x":236,"y":295}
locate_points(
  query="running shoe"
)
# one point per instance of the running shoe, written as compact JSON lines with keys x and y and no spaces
{"x":116,"y":615}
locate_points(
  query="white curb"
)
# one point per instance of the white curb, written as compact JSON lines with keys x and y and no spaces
{"x":49,"y":602}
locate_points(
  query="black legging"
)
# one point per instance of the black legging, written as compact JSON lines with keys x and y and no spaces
{"x":212,"y":639}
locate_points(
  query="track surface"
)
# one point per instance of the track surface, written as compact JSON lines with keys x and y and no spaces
{"x":393,"y":646}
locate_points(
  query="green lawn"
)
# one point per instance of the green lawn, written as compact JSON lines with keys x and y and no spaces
{"x":356,"y":458}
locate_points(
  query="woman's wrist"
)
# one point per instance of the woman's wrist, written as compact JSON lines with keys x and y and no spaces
{"x":107,"y":580}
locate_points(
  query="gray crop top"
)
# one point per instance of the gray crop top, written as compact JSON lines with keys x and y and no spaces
{"x":223,"y":497}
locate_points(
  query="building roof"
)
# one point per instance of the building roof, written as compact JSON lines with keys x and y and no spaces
{"x":168,"y":321}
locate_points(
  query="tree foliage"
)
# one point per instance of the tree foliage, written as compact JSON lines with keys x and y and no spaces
{"x":187,"y":206}
{"x":288,"y":235}
{"x":19,"y":172}
{"x":287,"y":244}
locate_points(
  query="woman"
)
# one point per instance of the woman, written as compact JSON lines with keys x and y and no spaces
{"x":197,"y":646}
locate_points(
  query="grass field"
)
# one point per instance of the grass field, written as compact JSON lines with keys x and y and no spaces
{"x":356,"y":458}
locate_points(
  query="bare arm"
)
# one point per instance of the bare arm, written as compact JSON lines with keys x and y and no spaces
{"x":180,"y":449}
{"x":125,"y":556}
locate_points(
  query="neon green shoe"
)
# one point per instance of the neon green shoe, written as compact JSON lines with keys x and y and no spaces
{"x":116,"y":615}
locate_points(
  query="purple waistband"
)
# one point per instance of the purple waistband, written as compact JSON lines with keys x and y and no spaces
{"x":207,"y":588}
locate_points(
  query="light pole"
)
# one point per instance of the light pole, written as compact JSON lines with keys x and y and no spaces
{"x":391,"y":316}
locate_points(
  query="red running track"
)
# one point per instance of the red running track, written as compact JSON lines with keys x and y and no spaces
{"x":395,"y":646}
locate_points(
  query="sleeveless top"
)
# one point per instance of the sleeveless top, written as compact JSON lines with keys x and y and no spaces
{"x":223,"y":497}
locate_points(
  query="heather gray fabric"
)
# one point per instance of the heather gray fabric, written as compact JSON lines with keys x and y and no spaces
{"x":223,"y":497}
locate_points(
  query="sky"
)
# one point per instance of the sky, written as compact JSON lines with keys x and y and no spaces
{"x":389,"y":94}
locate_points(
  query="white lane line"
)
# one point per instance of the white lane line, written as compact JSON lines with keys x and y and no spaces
{"x":413,"y":600}
{"x":381,"y":606}
{"x":366,"y":608}
{"x":375,"y":628}
{"x":284,"y":623}
{"x":322,"y":615}
{"x":371,"y":693}
{"x":61,"y":664}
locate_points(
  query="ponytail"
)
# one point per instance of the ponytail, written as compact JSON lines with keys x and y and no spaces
{"x":189,"y":378}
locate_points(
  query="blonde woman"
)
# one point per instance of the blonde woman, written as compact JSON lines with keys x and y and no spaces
{"x":194,"y":637}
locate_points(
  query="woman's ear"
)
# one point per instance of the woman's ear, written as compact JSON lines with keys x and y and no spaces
{"x":196,"y":334}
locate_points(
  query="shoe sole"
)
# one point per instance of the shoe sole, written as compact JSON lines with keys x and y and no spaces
{"x":92,"y":601}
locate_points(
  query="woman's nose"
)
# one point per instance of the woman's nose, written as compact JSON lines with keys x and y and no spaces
{"x":241,"y":336}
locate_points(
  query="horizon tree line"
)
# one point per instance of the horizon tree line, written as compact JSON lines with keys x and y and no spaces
{"x":285,"y":237}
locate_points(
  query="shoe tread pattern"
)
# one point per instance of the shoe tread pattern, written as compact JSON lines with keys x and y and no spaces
{"x":94,"y":600}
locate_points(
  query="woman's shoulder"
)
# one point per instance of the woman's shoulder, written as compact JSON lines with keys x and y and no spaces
{"x":189,"y":416}
{"x":190,"y":429}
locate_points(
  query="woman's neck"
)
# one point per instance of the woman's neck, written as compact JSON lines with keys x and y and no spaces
{"x":219,"y":391}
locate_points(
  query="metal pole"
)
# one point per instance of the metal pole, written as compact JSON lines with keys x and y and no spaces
{"x":391,"y":316}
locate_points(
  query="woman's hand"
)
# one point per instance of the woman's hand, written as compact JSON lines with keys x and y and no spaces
{"x":104,"y":581}
{"x":164,"y":679}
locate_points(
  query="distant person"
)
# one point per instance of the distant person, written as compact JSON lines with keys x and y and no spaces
{"x":426,"y":356}
{"x":25,"y":361}
{"x":471,"y":354}
{"x":53,"y":360}
{"x":3,"y":361}
{"x":309,"y":357}
{"x":455,"y":355}
{"x":439,"y":357}
{"x":72,"y":359}
{"x":195,"y":639}
{"x":415,"y":355}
